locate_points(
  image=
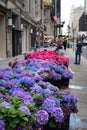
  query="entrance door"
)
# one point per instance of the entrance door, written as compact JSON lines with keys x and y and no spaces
{"x":17,"y":42}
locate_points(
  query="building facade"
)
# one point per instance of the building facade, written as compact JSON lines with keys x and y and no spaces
{"x":48,"y":17}
{"x":85,"y":5}
{"x":83,"y":22}
{"x":74,"y":20}
{"x":3,"y":10}
{"x":21,"y":22}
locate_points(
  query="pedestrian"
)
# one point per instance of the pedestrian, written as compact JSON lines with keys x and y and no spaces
{"x":74,"y":45}
{"x":78,"y":52}
{"x":35,"y":45}
{"x":65,"y":43}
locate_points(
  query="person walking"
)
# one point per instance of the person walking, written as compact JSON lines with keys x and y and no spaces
{"x":35,"y":45}
{"x":65,"y":43}
{"x":78,"y":52}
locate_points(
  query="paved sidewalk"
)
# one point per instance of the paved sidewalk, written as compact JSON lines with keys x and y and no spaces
{"x":78,"y":84}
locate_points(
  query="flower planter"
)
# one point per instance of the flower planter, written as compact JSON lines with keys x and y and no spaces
{"x":63,"y":83}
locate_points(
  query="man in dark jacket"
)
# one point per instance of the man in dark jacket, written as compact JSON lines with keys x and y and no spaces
{"x":78,"y":52}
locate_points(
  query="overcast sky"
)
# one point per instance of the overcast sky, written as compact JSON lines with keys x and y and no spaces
{"x":66,"y":9}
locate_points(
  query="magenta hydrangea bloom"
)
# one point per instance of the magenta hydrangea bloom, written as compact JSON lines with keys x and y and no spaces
{"x":42,"y":117}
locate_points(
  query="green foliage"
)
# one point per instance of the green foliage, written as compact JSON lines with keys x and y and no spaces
{"x":13,"y":116}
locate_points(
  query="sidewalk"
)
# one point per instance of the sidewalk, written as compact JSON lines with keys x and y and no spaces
{"x":78,"y":86}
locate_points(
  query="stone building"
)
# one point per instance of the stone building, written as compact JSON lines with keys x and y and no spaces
{"x":21,"y":22}
{"x":48,"y":17}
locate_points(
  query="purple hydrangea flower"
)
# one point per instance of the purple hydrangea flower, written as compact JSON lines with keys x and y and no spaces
{"x":47,"y":92}
{"x":66,"y":98}
{"x":8,"y":74}
{"x":67,"y":92}
{"x":41,"y":83}
{"x":27,"y":99}
{"x":68,"y":75}
{"x":19,"y":92}
{"x":48,"y":105}
{"x":57,"y":113}
{"x":2,"y":125}
{"x":25,"y":110}
{"x":36,"y":89}
{"x":74,"y":98}
{"x":11,"y":84}
{"x":5,"y":104}
{"x":42,"y":117}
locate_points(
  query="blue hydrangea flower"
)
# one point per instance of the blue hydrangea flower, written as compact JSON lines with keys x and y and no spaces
{"x":42,"y":117}
{"x":26,"y":81}
{"x":57,"y":102}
